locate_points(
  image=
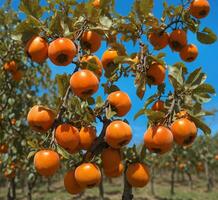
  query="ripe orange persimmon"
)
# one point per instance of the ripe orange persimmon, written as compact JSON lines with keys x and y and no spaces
{"x":137,"y":174}
{"x":113,"y":154}
{"x":120,"y":101}
{"x":158,"y":40}
{"x":189,"y":53}
{"x":46,"y":162}
{"x":156,"y":73}
{"x":184,"y":131}
{"x":3,"y":148}
{"x":91,"y":40}
{"x":93,"y":63}
{"x":87,"y":136}
{"x":67,"y":136}
{"x":118,"y":134}
{"x":61,"y":51}
{"x":199,"y":8}
{"x":96,"y":3}
{"x":17,"y":75}
{"x":158,"y":106}
{"x":88,"y":175}
{"x":84,"y":83}
{"x":10,"y":66}
{"x":108,"y":58}
{"x":158,"y":139}
{"x":13,"y":121}
{"x":178,"y":39}
{"x":115,"y":172}
{"x":70,"y":183}
{"x":40,"y":118}
{"x":216,"y":157}
{"x":37,"y":49}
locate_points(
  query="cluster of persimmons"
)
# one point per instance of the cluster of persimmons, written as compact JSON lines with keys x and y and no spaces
{"x":177,"y":39}
{"x":84,"y":83}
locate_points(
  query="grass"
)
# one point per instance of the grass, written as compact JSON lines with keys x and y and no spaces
{"x":113,"y":191}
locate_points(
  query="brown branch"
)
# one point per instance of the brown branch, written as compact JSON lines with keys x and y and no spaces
{"x":62,"y":108}
{"x":99,"y":143}
{"x":127,"y":191}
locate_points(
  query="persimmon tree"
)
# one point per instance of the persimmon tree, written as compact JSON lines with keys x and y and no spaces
{"x":22,"y":84}
{"x":69,"y":33}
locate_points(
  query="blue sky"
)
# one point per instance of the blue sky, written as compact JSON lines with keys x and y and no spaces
{"x":207,"y":58}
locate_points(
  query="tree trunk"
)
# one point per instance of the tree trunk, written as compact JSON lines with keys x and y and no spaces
{"x":190,"y":180}
{"x":29,"y":194}
{"x":101,"y":188}
{"x":11,"y":190}
{"x":127,"y":192}
{"x":208,"y":177}
{"x":152,"y":181}
{"x":172,"y":190}
{"x":48,"y":185}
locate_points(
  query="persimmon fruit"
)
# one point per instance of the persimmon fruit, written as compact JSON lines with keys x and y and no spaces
{"x":158,"y":106}
{"x":67,"y":136}
{"x":88,"y":175}
{"x":177,"y":40}
{"x":46,"y":162}
{"x":118,"y":134}
{"x":113,"y":154}
{"x":137,"y":174}
{"x":37,"y":49}
{"x":84,"y":83}
{"x":87,"y":136}
{"x":71,"y":184}
{"x":199,"y":8}
{"x":10,"y":66}
{"x":189,"y":53}
{"x":40,"y":118}
{"x":93,"y":63}
{"x":158,"y":139}
{"x":184,"y":131}
{"x":108,"y":58}
{"x":116,"y":172}
{"x":156,"y":74}
{"x":91,"y":41}
{"x":96,"y":3}
{"x":158,"y":40}
{"x":120,"y":101}
{"x":62,"y":51}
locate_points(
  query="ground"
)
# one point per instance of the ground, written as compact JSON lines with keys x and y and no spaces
{"x":113,"y":191}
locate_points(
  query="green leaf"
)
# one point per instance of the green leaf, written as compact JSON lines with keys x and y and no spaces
{"x":202,"y":97}
{"x":154,"y":115}
{"x":109,"y":112}
{"x":99,"y":102}
{"x":31,"y":7}
{"x":150,"y":100}
{"x":31,"y":154}
{"x":63,"y":152}
{"x":200,"y":124}
{"x":176,"y":76}
{"x":204,"y":88}
{"x":139,"y":113}
{"x":206,"y":36}
{"x":56,"y":24}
